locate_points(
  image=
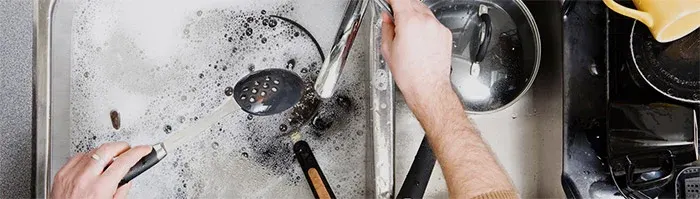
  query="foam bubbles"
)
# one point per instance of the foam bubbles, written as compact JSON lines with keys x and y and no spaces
{"x":164,"y":72}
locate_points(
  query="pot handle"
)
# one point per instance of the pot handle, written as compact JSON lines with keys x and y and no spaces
{"x":484,"y":34}
{"x":644,"y":17}
{"x":651,"y":184}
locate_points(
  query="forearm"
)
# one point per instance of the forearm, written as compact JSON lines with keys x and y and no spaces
{"x":469,"y":167}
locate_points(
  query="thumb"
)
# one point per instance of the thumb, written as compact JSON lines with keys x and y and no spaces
{"x":123,"y":191}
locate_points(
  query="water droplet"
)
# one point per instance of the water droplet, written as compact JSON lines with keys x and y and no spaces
{"x":267,"y":78}
{"x":256,"y":83}
{"x":230,"y":39}
{"x":248,"y":31}
{"x":168,"y":129}
{"x":86,"y":74}
{"x":228,"y":91}
{"x":251,"y":100}
{"x":274,"y":89}
{"x":263,"y":12}
{"x":254,"y":91}
{"x":283,"y":127}
{"x":593,"y":69}
{"x":201,"y":75}
{"x":250,"y":117}
{"x":263,"y":40}
{"x":181,"y":119}
{"x":263,"y":93}
{"x":273,"y":23}
{"x":296,"y":34}
{"x":304,"y":70}
{"x":199,"y":13}
{"x":337,"y":148}
{"x":265,"y":85}
{"x":250,"y":19}
{"x":215,"y":145}
{"x":235,"y":50}
{"x":277,"y":82}
{"x":244,"y":154}
{"x":223,"y":68}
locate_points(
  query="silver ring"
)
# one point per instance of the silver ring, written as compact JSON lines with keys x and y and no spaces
{"x":96,"y":158}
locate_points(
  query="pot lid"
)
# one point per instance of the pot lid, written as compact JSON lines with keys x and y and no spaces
{"x":495,"y":51}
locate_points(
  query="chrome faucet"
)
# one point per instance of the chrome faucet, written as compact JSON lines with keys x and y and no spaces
{"x":333,"y":66}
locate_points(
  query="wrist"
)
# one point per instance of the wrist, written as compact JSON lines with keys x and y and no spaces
{"x":430,"y":96}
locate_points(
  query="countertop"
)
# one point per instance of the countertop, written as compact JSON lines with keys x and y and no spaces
{"x":16,"y":98}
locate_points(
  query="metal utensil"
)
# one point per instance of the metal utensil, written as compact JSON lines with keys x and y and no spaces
{"x":261,"y":93}
{"x":384,"y":6}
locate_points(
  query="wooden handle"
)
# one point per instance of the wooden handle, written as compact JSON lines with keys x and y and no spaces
{"x":317,"y":181}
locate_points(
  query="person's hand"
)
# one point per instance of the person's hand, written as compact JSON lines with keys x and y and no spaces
{"x":85,"y":176}
{"x":418,"y":49}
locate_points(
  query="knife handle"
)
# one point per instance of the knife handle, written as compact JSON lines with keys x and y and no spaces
{"x":312,"y":171}
{"x":157,"y":153}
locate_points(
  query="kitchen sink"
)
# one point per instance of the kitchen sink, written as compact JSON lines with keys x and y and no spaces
{"x":526,"y":137}
{"x":157,"y":66}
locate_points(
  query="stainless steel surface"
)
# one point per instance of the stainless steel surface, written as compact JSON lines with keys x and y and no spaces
{"x":382,"y":113}
{"x":384,"y":6}
{"x":43,"y":11}
{"x":192,"y":21}
{"x":525,"y":137}
{"x":335,"y":62}
{"x":187,"y":134}
{"x":512,"y":59}
{"x":16,"y":61}
{"x":161,"y":152}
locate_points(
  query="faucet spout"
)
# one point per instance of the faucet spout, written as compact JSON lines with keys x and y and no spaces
{"x":333,"y":65}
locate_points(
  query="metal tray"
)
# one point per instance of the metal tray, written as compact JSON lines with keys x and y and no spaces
{"x":162,"y":64}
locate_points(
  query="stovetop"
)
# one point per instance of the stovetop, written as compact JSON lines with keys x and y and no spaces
{"x":599,"y":73}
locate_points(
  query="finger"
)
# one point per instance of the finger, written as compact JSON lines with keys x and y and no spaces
{"x":68,"y":166}
{"x":419,"y":7}
{"x":123,"y":191}
{"x":104,"y":155}
{"x":400,"y":6}
{"x":388,"y":34}
{"x":118,"y":169}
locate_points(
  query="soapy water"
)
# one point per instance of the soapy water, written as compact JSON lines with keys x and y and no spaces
{"x":159,"y":83}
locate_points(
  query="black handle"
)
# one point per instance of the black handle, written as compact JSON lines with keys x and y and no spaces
{"x":419,"y":174}
{"x":484,"y":39}
{"x":314,"y":176}
{"x":668,"y":166}
{"x":142,"y":165}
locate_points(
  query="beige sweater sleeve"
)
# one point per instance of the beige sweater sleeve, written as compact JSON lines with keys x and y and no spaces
{"x":506,"y":194}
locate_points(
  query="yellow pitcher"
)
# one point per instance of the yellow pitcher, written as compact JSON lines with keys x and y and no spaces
{"x":667,"y":20}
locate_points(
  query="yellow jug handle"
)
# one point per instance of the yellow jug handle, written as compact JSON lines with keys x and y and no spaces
{"x":632,"y":13}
